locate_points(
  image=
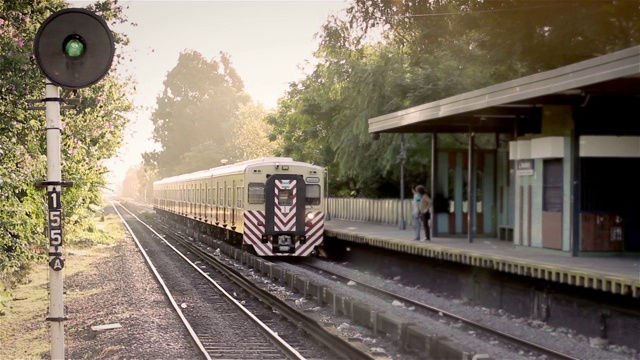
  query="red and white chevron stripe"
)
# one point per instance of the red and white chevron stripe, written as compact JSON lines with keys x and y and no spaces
{"x":285,"y":216}
{"x":314,"y":231}
{"x":254,"y":221}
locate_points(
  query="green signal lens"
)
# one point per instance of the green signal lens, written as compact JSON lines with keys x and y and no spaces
{"x":74,"y":48}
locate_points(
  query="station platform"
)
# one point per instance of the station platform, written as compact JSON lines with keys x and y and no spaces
{"x":614,"y":274}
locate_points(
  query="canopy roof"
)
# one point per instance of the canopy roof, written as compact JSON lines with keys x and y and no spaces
{"x":499,"y":108}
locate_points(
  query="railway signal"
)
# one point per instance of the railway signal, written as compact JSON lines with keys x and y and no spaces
{"x":74,"y":48}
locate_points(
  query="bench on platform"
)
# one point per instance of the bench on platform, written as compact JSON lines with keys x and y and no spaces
{"x":505,"y":232}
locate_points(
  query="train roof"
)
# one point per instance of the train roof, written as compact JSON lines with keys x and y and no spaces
{"x":235,"y":168}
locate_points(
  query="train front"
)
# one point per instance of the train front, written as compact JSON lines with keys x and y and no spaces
{"x":291,"y":220}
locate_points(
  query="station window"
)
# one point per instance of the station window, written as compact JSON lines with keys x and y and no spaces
{"x":552,"y":185}
{"x":256,"y":193}
{"x":313,"y":195}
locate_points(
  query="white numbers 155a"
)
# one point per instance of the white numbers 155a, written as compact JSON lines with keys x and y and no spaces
{"x":54,"y":200}
{"x":55,"y":219}
{"x":55,"y":237}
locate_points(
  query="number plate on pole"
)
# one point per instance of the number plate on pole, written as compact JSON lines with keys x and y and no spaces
{"x":55,"y":228}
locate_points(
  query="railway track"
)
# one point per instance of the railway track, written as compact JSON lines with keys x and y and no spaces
{"x":222,"y":323}
{"x":476,"y":326}
{"x":336,"y":303}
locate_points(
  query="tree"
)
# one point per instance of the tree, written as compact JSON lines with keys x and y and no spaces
{"x":323,"y":118}
{"x":251,"y":134}
{"x":91,"y":134}
{"x":472,"y":44}
{"x":391,"y":55}
{"x":138,"y":183}
{"x":196,"y":114}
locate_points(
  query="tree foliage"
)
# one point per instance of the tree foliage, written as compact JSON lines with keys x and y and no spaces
{"x":470,"y":44}
{"x":138,"y":183}
{"x":251,"y":134}
{"x":91,"y":134}
{"x":390,"y":55}
{"x":196,"y":114}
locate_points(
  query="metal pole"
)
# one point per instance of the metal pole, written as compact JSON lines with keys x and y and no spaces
{"x":328,"y":217}
{"x":471,"y":214}
{"x":54,"y":190}
{"x":403,"y":155}
{"x":434,"y":165}
{"x":576,"y":198}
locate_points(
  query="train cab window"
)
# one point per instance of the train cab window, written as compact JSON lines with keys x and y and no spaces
{"x":285,"y":197}
{"x":256,"y":193}
{"x":313,"y":195}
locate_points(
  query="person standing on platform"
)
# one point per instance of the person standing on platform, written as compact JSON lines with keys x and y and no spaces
{"x":415,"y":213}
{"x":425,"y":210}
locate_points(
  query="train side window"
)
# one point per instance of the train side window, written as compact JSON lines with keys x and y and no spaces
{"x":256,"y":193}
{"x":239,"y":197}
{"x":220,"y":196}
{"x":229,"y":197}
{"x":312,"y":194}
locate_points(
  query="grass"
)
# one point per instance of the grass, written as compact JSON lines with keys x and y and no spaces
{"x":24,"y":332}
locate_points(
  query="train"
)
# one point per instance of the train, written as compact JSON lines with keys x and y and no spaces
{"x":269,"y":206}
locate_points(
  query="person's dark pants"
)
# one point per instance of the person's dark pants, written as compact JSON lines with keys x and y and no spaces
{"x":425,"y":221}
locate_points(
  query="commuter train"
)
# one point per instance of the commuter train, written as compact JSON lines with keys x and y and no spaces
{"x":270,"y":206}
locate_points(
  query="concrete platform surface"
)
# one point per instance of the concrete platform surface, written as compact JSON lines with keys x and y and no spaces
{"x":616,"y":274}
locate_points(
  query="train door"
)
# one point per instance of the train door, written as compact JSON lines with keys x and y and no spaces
{"x":210,"y":201}
{"x":224,"y":205}
{"x":189,"y":199}
{"x":207,"y":201}
{"x":284,"y":213}
{"x":182,"y":197}
{"x":232,"y":209}
{"x":198,"y":201}
{"x":219,"y":202}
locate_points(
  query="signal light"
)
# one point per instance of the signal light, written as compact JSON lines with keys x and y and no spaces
{"x":74,"y":48}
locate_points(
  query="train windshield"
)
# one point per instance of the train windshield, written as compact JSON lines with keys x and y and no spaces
{"x":312,"y":195}
{"x":256,"y":193}
{"x":285,"y":197}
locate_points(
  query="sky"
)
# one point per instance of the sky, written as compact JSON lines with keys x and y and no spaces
{"x":269,"y":43}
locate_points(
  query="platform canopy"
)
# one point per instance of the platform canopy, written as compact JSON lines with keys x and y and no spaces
{"x":517,"y":104}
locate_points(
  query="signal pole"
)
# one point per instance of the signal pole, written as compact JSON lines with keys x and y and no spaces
{"x":74,"y":49}
{"x":54,"y":190}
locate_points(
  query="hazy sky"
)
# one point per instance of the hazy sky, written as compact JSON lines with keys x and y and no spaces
{"x":267,"y":41}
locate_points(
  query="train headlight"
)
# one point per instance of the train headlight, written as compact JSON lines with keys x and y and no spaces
{"x":310,"y":216}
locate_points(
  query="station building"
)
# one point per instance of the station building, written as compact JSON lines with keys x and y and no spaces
{"x":551,"y":162}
